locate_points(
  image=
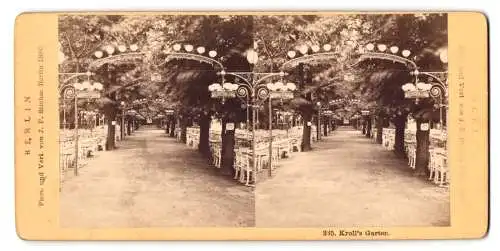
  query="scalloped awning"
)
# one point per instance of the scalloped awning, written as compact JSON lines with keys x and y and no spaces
{"x":126,"y":58}
{"x":187,"y":76}
{"x":382,"y":76}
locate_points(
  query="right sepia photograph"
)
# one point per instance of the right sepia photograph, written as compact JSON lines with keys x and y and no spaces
{"x":370,"y":115}
{"x":268,"y":121}
{"x":369,"y":118}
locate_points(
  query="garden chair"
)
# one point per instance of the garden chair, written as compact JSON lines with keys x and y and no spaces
{"x":412,"y":154}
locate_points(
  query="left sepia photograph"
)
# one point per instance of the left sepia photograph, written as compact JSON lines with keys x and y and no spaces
{"x":135,"y":113}
{"x":268,"y":121}
{"x":251,"y":125}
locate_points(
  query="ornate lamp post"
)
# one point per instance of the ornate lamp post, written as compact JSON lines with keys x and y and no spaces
{"x":318,"y":126}
{"x":416,"y":91}
{"x":328,"y":114}
{"x":367,"y":122}
{"x":223,"y":90}
{"x":86,"y":90}
{"x":64,"y":86}
{"x":253,"y":91}
{"x":321,"y":107}
{"x":123,"y":106}
{"x":170,"y":118}
{"x":283,"y":92}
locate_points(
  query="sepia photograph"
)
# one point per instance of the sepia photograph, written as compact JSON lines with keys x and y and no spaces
{"x":268,"y":120}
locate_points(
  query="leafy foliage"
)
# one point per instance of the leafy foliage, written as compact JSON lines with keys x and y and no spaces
{"x":183,"y":84}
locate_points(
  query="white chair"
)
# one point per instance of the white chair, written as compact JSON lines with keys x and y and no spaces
{"x":237,"y":164}
{"x":283,"y":146}
{"x":432,"y":164}
{"x":216,"y":155}
{"x":439,"y":168}
{"x":262,"y":156}
{"x":392,"y":143}
{"x":295,"y":144}
{"x":412,"y":155}
{"x":178,"y":134}
{"x":276,"y":153}
{"x":242,"y":166}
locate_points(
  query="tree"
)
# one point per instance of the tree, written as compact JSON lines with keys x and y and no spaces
{"x":424,"y":36}
{"x":187,"y":86}
{"x":79,"y":37}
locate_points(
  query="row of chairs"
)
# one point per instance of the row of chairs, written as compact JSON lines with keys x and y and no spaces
{"x":87,"y":147}
{"x":411,"y":153}
{"x":192,"y":140}
{"x":215,"y":150}
{"x":438,"y":167}
{"x":243,"y":156}
{"x":388,"y":138}
{"x":243,"y":164}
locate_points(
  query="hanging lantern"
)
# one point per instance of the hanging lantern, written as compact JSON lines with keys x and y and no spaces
{"x":134,"y":47}
{"x":122,"y":48}
{"x":200,"y":50}
{"x":303,"y":49}
{"x":394,"y":49}
{"x":110,"y":49}
{"x":98,"y":54}
{"x":212,"y":54}
{"x":188,"y":47}
{"x":177,"y":47}
{"x":252,"y":56}
{"x":381,"y":47}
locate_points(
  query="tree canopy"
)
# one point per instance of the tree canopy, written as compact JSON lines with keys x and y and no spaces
{"x":183,"y":84}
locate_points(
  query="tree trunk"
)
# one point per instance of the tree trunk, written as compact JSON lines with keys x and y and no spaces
{"x":167,"y":126}
{"x":379,"y":129}
{"x":204,"y":146}
{"x":122,"y":126}
{"x":363,"y":125}
{"x":422,"y":151}
{"x":399,"y":144}
{"x":183,"y":125}
{"x":110,"y":110}
{"x":129,"y":127}
{"x":227,"y":153}
{"x":318,"y":128}
{"x":110,"y":113}
{"x":325,"y":127}
{"x":306,"y":133}
{"x":369,"y":127}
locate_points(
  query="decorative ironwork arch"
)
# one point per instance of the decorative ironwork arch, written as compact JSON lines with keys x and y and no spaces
{"x":309,"y":58}
{"x":125,"y":58}
{"x":117,"y":60}
{"x":410,"y":64}
{"x":439,"y":89}
{"x":193,"y":57}
{"x":253,"y":84}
